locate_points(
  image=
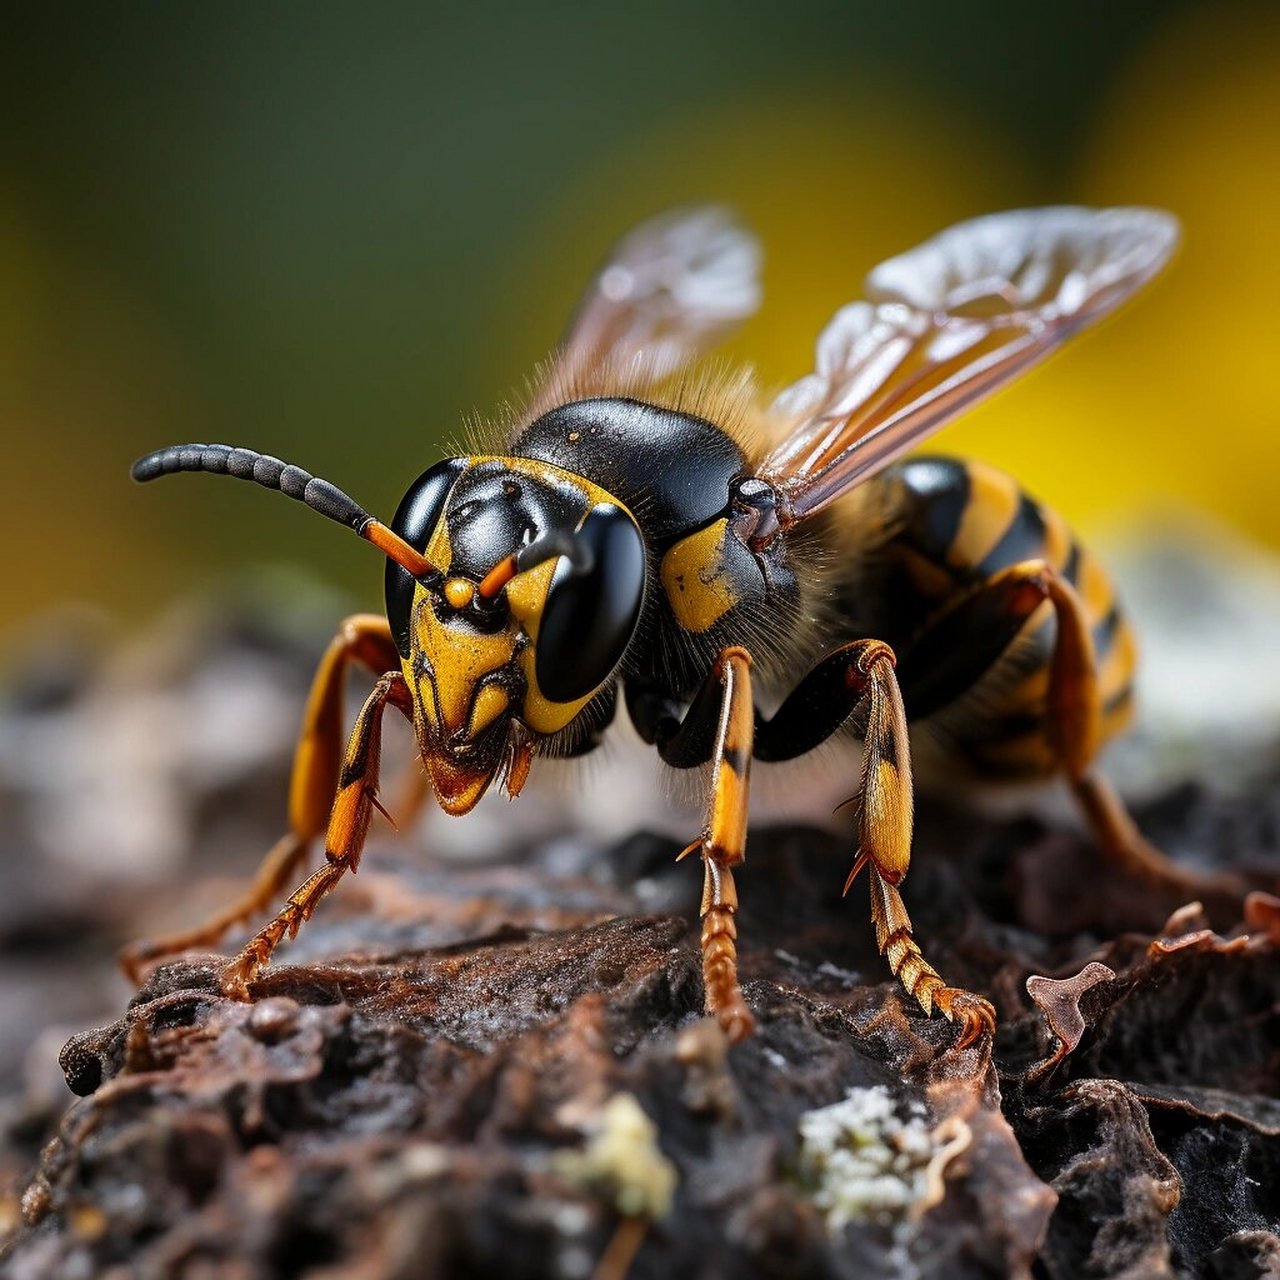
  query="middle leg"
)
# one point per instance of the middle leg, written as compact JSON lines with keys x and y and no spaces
{"x":816,"y":708}
{"x":718,"y":726}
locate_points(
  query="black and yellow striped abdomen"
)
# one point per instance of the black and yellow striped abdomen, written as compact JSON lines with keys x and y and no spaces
{"x":979,"y":679}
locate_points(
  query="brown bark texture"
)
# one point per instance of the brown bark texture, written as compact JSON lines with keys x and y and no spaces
{"x":502,"y":1068}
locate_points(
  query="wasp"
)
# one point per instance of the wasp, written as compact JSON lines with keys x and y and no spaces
{"x":651,"y":529}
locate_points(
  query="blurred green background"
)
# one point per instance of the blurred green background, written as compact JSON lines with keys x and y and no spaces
{"x":330,"y":232}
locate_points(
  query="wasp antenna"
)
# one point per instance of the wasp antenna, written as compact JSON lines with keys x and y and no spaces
{"x":558,"y":542}
{"x":261,"y":468}
{"x":293,"y":482}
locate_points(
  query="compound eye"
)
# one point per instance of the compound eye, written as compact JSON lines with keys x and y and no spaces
{"x":589,"y":618}
{"x":415,"y":521}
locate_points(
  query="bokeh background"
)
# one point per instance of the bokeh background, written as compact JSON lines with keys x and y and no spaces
{"x":331,"y":232}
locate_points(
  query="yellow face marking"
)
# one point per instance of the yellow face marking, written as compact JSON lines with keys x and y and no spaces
{"x":527,"y":595}
{"x":993,"y":503}
{"x":490,"y":703}
{"x":460,"y":657}
{"x":459,"y":592}
{"x":425,"y":691}
{"x":696,"y":578}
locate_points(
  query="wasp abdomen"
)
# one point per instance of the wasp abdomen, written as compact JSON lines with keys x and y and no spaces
{"x":974,"y":639}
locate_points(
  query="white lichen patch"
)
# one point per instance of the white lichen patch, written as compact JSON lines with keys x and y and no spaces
{"x":623,"y":1158}
{"x":860,"y":1160}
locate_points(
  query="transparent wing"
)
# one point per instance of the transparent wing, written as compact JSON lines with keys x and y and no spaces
{"x":948,"y":323}
{"x":671,"y":289}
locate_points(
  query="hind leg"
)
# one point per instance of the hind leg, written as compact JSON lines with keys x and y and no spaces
{"x":1065,"y":734}
{"x":1076,"y":714}
{"x":364,"y":639}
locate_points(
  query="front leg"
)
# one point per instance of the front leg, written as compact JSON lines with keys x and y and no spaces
{"x":364,"y":640}
{"x":353,"y":805}
{"x":719,"y":726}
{"x":823,"y":701}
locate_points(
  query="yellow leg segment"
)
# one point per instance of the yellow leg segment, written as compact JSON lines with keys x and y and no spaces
{"x":723,"y":845}
{"x":884,"y":829}
{"x":364,"y":639}
{"x":1075,"y":720}
{"x":353,"y":807}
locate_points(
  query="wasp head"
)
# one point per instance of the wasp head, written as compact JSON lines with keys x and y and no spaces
{"x":513,"y":590}
{"x":539,"y":588}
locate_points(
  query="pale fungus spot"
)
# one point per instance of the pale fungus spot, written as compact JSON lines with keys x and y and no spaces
{"x":623,"y":1157}
{"x":861,"y":1161}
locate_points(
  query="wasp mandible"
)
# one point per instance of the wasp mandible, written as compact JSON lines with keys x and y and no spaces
{"x":647,"y":529}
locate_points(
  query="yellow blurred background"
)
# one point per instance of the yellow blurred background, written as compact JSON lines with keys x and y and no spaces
{"x":331,"y":238}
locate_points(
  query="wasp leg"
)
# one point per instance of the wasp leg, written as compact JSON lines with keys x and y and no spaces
{"x":824,"y":700}
{"x":363,"y":638}
{"x":1075,"y":716}
{"x":717,"y":726}
{"x":997,"y":611}
{"x":724,"y":844}
{"x":353,"y":806}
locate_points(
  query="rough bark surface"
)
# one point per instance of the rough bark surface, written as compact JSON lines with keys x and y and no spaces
{"x":428,"y":1081}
